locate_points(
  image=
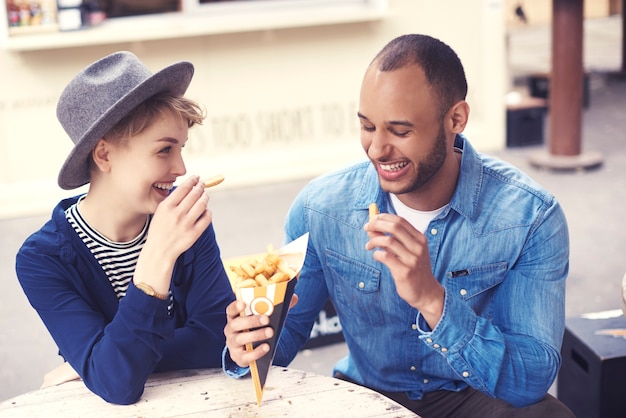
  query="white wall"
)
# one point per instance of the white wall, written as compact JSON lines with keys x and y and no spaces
{"x":281,"y":103}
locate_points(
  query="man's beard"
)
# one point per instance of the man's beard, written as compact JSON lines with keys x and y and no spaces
{"x":429,"y":166}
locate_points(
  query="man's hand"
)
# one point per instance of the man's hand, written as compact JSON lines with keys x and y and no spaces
{"x":404,"y":250}
{"x":238,"y":334}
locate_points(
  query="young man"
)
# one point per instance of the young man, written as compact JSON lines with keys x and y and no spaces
{"x":128,"y":277}
{"x":452,"y":299}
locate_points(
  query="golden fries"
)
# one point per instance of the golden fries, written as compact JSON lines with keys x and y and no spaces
{"x":213,"y":181}
{"x":263,"y":271}
{"x":373,"y":209}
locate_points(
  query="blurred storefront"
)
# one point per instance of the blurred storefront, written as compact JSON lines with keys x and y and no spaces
{"x":279,"y":78}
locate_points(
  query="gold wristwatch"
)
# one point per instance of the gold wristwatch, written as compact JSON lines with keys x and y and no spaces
{"x":148,"y":290}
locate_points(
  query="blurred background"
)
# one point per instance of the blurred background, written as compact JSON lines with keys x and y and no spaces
{"x":280,"y":81}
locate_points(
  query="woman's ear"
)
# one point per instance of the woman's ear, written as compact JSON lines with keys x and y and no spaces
{"x":459,"y":115}
{"x":100,"y":155}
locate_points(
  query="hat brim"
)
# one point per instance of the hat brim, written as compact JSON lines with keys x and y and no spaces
{"x":174,"y":78}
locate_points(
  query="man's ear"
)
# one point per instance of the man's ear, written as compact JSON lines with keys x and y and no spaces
{"x":458,"y":116}
{"x":100,"y":155}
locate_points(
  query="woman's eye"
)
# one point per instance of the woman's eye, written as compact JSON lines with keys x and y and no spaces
{"x":368,"y":128}
{"x":165,"y":150}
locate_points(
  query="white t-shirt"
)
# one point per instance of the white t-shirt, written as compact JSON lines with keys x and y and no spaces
{"x":419,"y":219}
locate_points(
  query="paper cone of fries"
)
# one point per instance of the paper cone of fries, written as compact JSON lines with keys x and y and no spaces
{"x":270,"y":295}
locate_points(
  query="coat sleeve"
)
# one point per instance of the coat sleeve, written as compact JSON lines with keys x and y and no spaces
{"x":202,"y":292}
{"x":114,"y":350}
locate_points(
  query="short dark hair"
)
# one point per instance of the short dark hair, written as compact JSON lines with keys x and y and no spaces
{"x":441,"y":65}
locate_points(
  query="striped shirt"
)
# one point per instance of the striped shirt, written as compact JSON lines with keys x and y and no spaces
{"x":117,"y":259}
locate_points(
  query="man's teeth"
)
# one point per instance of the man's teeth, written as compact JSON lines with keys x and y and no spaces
{"x":392,"y":167}
{"x":164,"y":186}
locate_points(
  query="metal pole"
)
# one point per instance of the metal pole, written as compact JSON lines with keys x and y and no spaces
{"x":624,"y":37}
{"x":566,"y":81}
{"x":566,"y":92}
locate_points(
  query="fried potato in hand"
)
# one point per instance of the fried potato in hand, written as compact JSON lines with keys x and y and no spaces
{"x":373,"y":211}
{"x":213,"y":181}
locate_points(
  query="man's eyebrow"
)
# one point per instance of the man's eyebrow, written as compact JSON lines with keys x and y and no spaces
{"x":404,"y":123}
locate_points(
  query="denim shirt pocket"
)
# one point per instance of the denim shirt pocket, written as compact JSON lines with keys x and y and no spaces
{"x":476,"y":285}
{"x":356,"y":287}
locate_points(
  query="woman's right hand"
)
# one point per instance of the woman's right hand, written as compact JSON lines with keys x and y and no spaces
{"x":178,"y":222}
{"x":181,"y":218}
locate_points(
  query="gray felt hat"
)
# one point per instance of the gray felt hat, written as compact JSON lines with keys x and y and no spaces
{"x":100,"y":96}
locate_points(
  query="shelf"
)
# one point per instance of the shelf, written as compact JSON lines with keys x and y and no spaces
{"x":198,"y":23}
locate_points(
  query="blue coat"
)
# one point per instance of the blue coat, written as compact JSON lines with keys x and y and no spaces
{"x":115,"y":345}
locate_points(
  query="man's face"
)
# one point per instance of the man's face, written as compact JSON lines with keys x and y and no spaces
{"x":401,"y":129}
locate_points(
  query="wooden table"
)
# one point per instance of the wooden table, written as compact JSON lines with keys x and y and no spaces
{"x":209,"y":393}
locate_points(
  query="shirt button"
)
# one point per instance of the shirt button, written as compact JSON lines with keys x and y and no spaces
{"x":444,"y":350}
{"x":413,"y":368}
{"x":465,"y":374}
{"x":429,"y":340}
{"x":463,"y":292}
{"x":361,"y":285}
{"x":426,"y":380}
{"x":434,"y":231}
{"x":414,"y":326}
{"x":436,"y":345}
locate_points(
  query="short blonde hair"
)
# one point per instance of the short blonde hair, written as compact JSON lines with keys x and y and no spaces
{"x":144,"y":115}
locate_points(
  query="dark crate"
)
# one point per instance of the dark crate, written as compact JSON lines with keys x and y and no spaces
{"x":592,"y":379}
{"x":327,"y":329}
{"x":525,"y":122}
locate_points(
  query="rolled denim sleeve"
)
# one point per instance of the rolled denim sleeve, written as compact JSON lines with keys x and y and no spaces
{"x":230,"y":368}
{"x":514,"y":352}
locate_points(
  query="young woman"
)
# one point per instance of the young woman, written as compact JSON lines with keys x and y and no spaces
{"x":128,"y":277}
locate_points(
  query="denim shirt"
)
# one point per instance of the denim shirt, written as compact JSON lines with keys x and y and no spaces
{"x":501,"y":252}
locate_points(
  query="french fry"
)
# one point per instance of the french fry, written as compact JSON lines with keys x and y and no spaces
{"x":246,"y":283}
{"x":278,"y":277}
{"x":248,"y":269}
{"x":213,"y":181}
{"x":264,"y":271}
{"x":373,"y":211}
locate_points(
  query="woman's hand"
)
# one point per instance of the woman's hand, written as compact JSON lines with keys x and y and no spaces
{"x":177,"y":223}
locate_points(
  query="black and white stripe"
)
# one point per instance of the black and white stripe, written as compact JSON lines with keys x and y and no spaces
{"x":117,"y":259}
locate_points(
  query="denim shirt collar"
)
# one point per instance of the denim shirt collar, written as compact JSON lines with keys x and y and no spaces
{"x":465,"y":197}
{"x":470,"y":181}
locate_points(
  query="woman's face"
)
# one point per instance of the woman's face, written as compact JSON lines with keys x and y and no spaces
{"x":143,"y":168}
